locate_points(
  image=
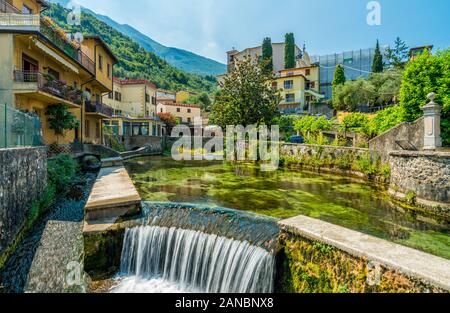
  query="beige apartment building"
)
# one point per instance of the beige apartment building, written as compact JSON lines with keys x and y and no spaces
{"x":132,"y":97}
{"x":134,"y":108}
{"x":185,"y":113}
{"x":255,"y":53}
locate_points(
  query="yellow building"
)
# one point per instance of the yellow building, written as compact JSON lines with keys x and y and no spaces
{"x":134,"y":104}
{"x":299,"y":88}
{"x":132,"y":97}
{"x":183,"y":95}
{"x":95,"y":110}
{"x":40,"y":68}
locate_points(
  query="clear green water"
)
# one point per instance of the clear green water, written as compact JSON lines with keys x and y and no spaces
{"x":287,"y":193}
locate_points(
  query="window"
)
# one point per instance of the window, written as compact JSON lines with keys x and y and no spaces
{"x":110,"y":95}
{"x":100,"y":62}
{"x":117,"y":96}
{"x":153,"y":100}
{"x":288,"y":84}
{"x":108,"y":69}
{"x":274,"y":85}
{"x":178,"y":110}
{"x":26,"y":10}
{"x":189,"y":110}
{"x":147,"y":98}
{"x":290,"y":97}
{"x":189,"y":119}
{"x":97,"y":130}
{"x":86,"y":129}
{"x":308,"y":72}
{"x":161,"y":110}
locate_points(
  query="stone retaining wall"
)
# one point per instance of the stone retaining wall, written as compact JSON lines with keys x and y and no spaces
{"x":412,"y":133}
{"x":423,"y":175}
{"x":151,"y":143}
{"x":319,"y":257}
{"x":23,"y":179}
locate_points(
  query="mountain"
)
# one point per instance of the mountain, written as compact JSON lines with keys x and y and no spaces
{"x":134,"y":60}
{"x":182,"y":59}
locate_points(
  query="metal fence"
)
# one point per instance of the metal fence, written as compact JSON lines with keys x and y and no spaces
{"x":19,"y":129}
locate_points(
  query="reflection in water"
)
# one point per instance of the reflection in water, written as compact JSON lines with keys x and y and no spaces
{"x":287,"y":193}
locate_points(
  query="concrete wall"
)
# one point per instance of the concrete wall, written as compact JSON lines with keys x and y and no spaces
{"x":319,"y":257}
{"x":410,"y":132}
{"x":23,"y":178}
{"x":133,"y":142}
{"x":425,"y":175}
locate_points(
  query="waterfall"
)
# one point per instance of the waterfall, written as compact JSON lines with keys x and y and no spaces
{"x":196,"y":261}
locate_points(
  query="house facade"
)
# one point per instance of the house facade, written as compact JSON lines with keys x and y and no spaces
{"x":185,"y":113}
{"x":134,"y":108}
{"x":40,"y":68}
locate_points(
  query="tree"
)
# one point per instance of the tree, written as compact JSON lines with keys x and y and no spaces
{"x":169,"y":120}
{"x":398,"y":56}
{"x":61,"y":119}
{"x":339,"y":76}
{"x":289,"y":51}
{"x":427,"y":73}
{"x":202,"y":99}
{"x":267,"y":55}
{"x":386,"y":119}
{"x":312,"y":125}
{"x":377,"y":66}
{"x":246,"y":98}
{"x":357,"y":122}
{"x":353,"y":94}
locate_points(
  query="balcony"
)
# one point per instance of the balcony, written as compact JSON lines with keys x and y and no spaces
{"x":99,"y":108}
{"x":62,"y":43}
{"x":42,"y":87}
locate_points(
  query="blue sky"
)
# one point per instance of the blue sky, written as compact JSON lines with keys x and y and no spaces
{"x":211,"y":27}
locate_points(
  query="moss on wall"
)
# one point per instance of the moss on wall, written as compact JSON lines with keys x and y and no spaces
{"x":305,"y":266}
{"x":102,"y":252}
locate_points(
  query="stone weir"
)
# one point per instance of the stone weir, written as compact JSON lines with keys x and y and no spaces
{"x":103,"y":243}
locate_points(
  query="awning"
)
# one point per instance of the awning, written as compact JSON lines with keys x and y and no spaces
{"x":315,"y":94}
{"x":55,"y":56}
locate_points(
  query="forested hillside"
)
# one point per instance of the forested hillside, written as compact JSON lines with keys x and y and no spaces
{"x":135,"y":61}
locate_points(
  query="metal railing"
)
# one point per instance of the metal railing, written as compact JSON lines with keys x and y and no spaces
{"x":6,"y":7}
{"x":95,"y":107}
{"x":19,"y":129}
{"x":54,"y":87}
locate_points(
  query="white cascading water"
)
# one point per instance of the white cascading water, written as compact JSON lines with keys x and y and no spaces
{"x":159,"y":259}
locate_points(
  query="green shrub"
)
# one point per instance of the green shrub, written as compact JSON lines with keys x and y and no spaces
{"x":356,"y":122}
{"x":366,"y":164}
{"x":61,"y":172}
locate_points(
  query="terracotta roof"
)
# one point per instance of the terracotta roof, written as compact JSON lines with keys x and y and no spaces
{"x":195,"y":106}
{"x":129,"y":81}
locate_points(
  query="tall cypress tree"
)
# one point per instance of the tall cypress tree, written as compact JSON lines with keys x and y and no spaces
{"x":267,"y":55}
{"x":289,"y":51}
{"x":377,"y":66}
{"x":339,"y":76}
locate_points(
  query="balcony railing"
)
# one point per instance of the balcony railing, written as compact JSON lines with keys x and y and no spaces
{"x":64,"y":45}
{"x":6,"y":7}
{"x":95,"y":107}
{"x":44,"y":83}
